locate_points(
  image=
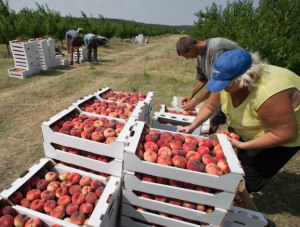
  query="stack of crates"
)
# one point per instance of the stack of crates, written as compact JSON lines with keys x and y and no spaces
{"x":26,"y":58}
{"x":148,"y":189}
{"x":82,"y":55}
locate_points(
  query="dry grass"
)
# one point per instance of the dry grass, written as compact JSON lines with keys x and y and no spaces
{"x":25,"y":104}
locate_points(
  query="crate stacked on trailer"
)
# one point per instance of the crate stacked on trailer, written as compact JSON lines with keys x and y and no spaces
{"x":176,"y":176}
{"x":171,"y":119}
{"x":26,"y":58}
{"x":65,"y":196}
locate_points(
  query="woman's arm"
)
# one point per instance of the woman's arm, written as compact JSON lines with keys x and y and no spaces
{"x":205,"y":112}
{"x":277,"y":114}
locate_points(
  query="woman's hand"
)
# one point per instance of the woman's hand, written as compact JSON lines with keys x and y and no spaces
{"x":187,"y":129}
{"x":235,"y":143}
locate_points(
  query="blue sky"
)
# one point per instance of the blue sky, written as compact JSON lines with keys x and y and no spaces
{"x":167,"y":12}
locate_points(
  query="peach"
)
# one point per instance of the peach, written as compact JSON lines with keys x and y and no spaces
{"x":110,"y":140}
{"x":89,"y":127}
{"x":146,"y":195}
{"x":74,"y":178}
{"x":213,"y":169}
{"x":33,"y":194}
{"x":77,"y":218}
{"x":175,"y":183}
{"x":207,"y":158}
{"x":109,"y":132}
{"x":49,"y":205}
{"x":7,"y":220}
{"x":187,"y":146}
{"x":205,"y":142}
{"x":97,"y":136}
{"x":175,"y":201}
{"x":209,"y":210}
{"x":64,"y":131}
{"x":201,"y":207}
{"x":47,"y":195}
{"x":66,"y":184}
{"x":86,"y":189}
{"x":51,"y":176}
{"x":98,"y":123}
{"x":53,"y":185}
{"x":150,"y":156}
{"x":195,"y":165}
{"x":162,"y":180}
{"x":42,"y":184}
{"x":78,"y":198}
{"x":96,"y":184}
{"x":189,"y":186}
{"x":64,"y":200}
{"x":179,"y":161}
{"x":179,"y":151}
{"x":85,"y":181}
{"x":203,"y":189}
{"x":160,"y":198}
{"x":59,"y":192}
{"x":20,"y":220}
{"x":33,"y":180}
{"x":91,"y":197}
{"x":224,"y":166}
{"x":8,"y":210}
{"x":203,"y":150}
{"x":86,"y":135}
{"x":148,"y":178}
{"x":33,"y":222}
{"x":165,"y":151}
{"x":151,"y":138}
{"x":191,"y":139}
{"x":37,"y":205}
{"x":163,"y":143}
{"x":234,"y":136}
{"x":165,"y":160}
{"x":167,"y":136}
{"x":154,"y":132}
{"x":16,"y":197}
{"x":150,"y":146}
{"x":189,"y":205}
{"x":68,"y":124}
{"x":75,"y":189}
{"x":76,"y":131}
{"x":99,"y":191}
{"x":25,"y":202}
{"x":193,"y":155}
{"x":179,"y":137}
{"x":86,"y":208}
{"x":175,"y":143}
{"x":58,"y":212}
{"x":71,"y":208}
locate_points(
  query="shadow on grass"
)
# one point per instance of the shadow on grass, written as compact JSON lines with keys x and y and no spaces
{"x":280,"y":195}
{"x":55,"y":72}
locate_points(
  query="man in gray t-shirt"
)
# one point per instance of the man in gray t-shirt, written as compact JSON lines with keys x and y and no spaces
{"x":206,"y":52}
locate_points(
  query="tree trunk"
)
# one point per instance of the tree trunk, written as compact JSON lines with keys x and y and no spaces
{"x":8,"y":51}
{"x":62,"y":44}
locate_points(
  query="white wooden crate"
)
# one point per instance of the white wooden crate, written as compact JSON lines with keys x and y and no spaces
{"x":113,"y":167}
{"x":19,"y":73}
{"x":114,"y":149}
{"x":227,"y":182}
{"x":104,"y":214}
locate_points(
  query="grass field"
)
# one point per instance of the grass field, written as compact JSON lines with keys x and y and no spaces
{"x":25,"y":104}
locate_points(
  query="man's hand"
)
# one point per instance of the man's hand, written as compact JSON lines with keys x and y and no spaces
{"x":189,"y":105}
{"x":187,"y":129}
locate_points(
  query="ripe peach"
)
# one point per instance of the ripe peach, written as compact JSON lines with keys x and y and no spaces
{"x":77,"y":218}
{"x":175,"y":201}
{"x":160,"y":198}
{"x":37,"y":205}
{"x":179,"y":151}
{"x":25,"y":202}
{"x":91,"y":197}
{"x":154,"y":132}
{"x":109,"y":132}
{"x":33,"y":180}
{"x":85,"y":181}
{"x":175,"y":143}
{"x":175,"y":183}
{"x":110,"y":140}
{"x":98,"y":123}
{"x":167,"y":136}
{"x":78,"y":198}
{"x":187,"y":146}
{"x":99,"y":191}
{"x":74,"y":178}
{"x":20,"y":220}
{"x":66,"y":184}
{"x":33,"y":194}
{"x":64,"y":131}
{"x":59,"y":192}
{"x":8,"y":210}
{"x":205,"y":142}
{"x":97,"y":136}
{"x":151,"y":138}
{"x":150,"y":146}
{"x":165,"y":160}
{"x":179,"y":137}
{"x":224,"y":166}
{"x":16,"y":197}
{"x":179,"y":161}
{"x":207,"y":158}
{"x":213,"y":169}
{"x":49,"y":205}
{"x":75,"y":189}
{"x":86,"y":189}
{"x":68,"y":124}
{"x":150,"y":156}
{"x":201,"y":207}
{"x":53,"y":185}
{"x":203,"y":150}
{"x":76,"y":131}
{"x":193,"y":155}
{"x":189,"y":205}
{"x":165,"y":151}
{"x":189,"y":186}
{"x":71,"y":208}
{"x":86,"y":135}
{"x":47,"y":195}
{"x":89,"y":127}
{"x":191,"y":139}
{"x":6,"y":220}
{"x":203,"y":189}
{"x":146,"y":195}
{"x":162,"y":143}
{"x":96,"y":184}
{"x":64,"y":200}
{"x":58,"y":212}
{"x":195,"y":165}
{"x":42,"y":184}
{"x":86,"y":208}
{"x":162,"y":180}
{"x":51,"y":176}
{"x":148,"y":178}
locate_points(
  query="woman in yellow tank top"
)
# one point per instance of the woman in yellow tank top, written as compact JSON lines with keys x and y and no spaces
{"x":262,"y":105}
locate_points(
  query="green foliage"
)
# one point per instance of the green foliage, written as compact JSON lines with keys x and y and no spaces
{"x":272,"y":29}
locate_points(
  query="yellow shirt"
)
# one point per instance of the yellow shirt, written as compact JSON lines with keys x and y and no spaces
{"x":244,"y":118}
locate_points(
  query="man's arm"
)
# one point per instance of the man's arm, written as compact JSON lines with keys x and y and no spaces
{"x":198,"y":86}
{"x":194,"y":102}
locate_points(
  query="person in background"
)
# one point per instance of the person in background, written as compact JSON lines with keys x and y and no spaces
{"x":93,"y":42}
{"x":262,"y":104}
{"x":74,"y":41}
{"x":206,"y":52}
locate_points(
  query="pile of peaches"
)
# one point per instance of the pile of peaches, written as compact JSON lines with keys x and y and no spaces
{"x":125,"y":97}
{"x":189,"y":152}
{"x":98,"y":129}
{"x":64,"y":195}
